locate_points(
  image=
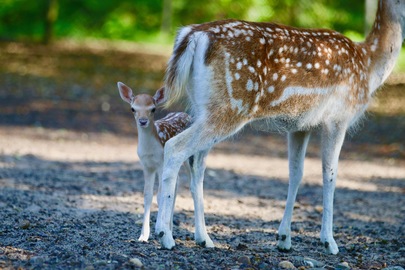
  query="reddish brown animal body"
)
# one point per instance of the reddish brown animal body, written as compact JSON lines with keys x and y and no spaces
{"x":295,"y":80}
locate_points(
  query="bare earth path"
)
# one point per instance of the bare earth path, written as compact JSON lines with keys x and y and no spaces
{"x":71,"y":185}
{"x":72,"y":200}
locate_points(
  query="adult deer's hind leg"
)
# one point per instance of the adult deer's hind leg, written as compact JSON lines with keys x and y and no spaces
{"x":197,"y":164}
{"x":332,"y":140}
{"x":297,"y":145}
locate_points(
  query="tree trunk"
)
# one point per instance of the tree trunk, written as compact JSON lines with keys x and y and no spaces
{"x":50,"y":18}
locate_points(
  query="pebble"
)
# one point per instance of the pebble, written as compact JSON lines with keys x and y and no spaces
{"x":286,"y":265}
{"x":25,"y":224}
{"x":312,"y":263}
{"x":100,"y":263}
{"x":244,"y":260}
{"x":393,"y":268}
{"x":139,"y":222}
{"x":136,"y":262}
{"x":343,"y":265}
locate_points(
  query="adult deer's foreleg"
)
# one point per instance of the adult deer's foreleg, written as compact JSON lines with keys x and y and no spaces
{"x":177,"y":150}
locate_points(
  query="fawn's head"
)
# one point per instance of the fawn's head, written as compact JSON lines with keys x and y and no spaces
{"x":143,"y":105}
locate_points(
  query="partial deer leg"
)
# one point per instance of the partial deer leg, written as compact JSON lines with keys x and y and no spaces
{"x":332,"y":140}
{"x":197,"y":164}
{"x":177,"y":150}
{"x":149,"y":177}
{"x":297,"y":145}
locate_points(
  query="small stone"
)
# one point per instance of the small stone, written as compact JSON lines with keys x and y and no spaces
{"x":244,"y":260}
{"x":136,"y":262}
{"x":393,"y":268}
{"x":139,"y":222}
{"x":101,"y":263}
{"x":319,"y":208}
{"x":312,"y":263}
{"x":286,"y":265}
{"x":25,"y":224}
{"x":343,"y":265}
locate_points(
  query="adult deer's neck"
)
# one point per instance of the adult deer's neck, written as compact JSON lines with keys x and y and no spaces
{"x":384,"y":43}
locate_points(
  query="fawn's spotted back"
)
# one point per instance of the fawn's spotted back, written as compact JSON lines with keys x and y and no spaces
{"x":171,"y":125}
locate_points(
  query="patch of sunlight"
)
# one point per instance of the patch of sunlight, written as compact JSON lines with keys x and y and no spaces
{"x":11,"y":183}
{"x":127,"y":203}
{"x":367,"y":218}
{"x":103,"y":45}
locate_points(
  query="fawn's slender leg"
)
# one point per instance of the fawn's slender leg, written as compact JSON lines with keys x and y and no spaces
{"x":197,"y":177}
{"x":297,"y":145}
{"x":332,"y":139}
{"x":149,"y":177}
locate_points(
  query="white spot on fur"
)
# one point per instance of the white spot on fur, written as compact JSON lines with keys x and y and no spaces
{"x":256,"y":86}
{"x":270,"y":89}
{"x":249,"y":85}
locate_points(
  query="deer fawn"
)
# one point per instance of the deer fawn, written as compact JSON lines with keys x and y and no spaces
{"x":235,"y":72}
{"x":152,"y":136}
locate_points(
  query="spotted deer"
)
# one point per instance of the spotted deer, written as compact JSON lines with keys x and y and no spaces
{"x":152,"y":137}
{"x":235,"y":72}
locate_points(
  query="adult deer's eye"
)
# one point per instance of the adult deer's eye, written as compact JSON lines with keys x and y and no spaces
{"x":132,"y":109}
{"x":153,"y":110}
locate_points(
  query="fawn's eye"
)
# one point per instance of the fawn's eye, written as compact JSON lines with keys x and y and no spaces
{"x":132,"y":109}
{"x":153,"y":110}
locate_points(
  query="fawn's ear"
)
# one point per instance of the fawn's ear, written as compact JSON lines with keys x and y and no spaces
{"x":125,"y":92}
{"x":159,"y":96}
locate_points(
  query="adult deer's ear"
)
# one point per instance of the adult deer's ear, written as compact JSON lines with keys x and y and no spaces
{"x":125,"y":92}
{"x":159,"y":96}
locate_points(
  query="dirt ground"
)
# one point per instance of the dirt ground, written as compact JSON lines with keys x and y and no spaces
{"x":71,"y":183}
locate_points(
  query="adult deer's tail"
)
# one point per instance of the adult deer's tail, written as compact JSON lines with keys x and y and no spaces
{"x":180,"y":65}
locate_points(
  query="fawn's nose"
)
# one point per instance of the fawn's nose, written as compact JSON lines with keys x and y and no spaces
{"x":143,"y":122}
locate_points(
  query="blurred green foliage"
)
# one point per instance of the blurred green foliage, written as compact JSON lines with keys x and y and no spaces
{"x":141,"y":20}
